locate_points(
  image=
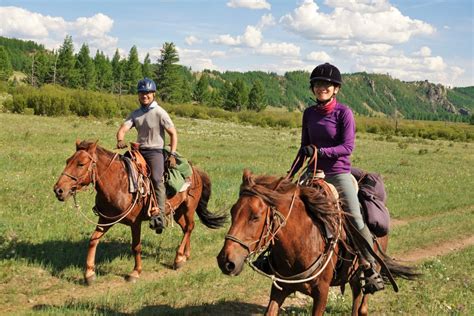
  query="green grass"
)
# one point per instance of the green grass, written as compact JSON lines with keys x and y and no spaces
{"x":43,"y":242}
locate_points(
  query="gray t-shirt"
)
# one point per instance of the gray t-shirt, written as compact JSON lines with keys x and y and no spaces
{"x":150,"y":123}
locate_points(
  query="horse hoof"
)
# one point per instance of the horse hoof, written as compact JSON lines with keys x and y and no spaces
{"x":90,"y":279}
{"x":131,"y":279}
{"x":179,"y":265}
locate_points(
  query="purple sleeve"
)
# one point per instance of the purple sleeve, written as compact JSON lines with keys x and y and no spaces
{"x":304,"y":131}
{"x":347,"y":139}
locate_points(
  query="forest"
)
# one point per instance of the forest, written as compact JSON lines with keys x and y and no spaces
{"x":372,"y":95}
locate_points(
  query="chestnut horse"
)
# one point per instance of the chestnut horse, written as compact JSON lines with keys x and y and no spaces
{"x":92,"y":164}
{"x":287,"y":220}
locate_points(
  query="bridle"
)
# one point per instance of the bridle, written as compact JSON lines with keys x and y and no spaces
{"x":94,"y":179}
{"x":274,"y":221}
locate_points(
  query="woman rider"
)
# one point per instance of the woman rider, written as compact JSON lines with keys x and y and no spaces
{"x":330,"y":127}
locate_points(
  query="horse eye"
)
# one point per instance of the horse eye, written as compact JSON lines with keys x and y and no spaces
{"x":81,"y":164}
{"x":254,"y":217}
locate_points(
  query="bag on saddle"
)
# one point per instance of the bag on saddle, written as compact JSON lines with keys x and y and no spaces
{"x":175,"y":178}
{"x":372,"y":197}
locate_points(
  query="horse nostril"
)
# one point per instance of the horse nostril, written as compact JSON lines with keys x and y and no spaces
{"x":229,"y":266}
{"x":58,"y":191}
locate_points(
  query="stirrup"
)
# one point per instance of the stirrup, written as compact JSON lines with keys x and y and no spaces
{"x":373,"y":281}
{"x":158,"y":223}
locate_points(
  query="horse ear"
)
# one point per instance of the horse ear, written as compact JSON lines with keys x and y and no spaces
{"x":93,"y":147}
{"x":78,"y":142}
{"x":247,"y":178}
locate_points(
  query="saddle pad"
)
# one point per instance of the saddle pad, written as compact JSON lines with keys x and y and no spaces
{"x":132,"y":174}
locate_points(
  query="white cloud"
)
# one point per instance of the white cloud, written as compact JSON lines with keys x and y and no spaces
{"x":424,"y":52}
{"x":249,"y":4}
{"x":266,"y":20}
{"x":279,"y":49}
{"x":251,"y":38}
{"x":359,"y":48}
{"x":51,"y":31}
{"x":369,"y":21}
{"x":319,"y":57}
{"x":196,"y":59}
{"x":418,"y":66}
{"x":191,"y":40}
{"x":218,"y":54}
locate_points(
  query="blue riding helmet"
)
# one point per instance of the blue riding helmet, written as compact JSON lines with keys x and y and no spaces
{"x":146,"y":85}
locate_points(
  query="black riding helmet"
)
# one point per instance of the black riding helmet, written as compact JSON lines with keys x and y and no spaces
{"x":326,"y":72}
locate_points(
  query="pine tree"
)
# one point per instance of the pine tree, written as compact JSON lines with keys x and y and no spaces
{"x":117,"y":73}
{"x":257,"y":97}
{"x":186,"y":91}
{"x":43,"y":64}
{"x":133,"y":71}
{"x":66,"y":75}
{"x":147,"y":70}
{"x":6,"y":69}
{"x":201,"y":91}
{"x":104,"y":72}
{"x":85,"y":68}
{"x":168,"y":79}
{"x":237,"y":96}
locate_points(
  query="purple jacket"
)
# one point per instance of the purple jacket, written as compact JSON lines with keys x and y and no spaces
{"x":334,"y":134}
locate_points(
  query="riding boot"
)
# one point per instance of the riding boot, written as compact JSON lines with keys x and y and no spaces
{"x":372,"y":278}
{"x":158,"y":221}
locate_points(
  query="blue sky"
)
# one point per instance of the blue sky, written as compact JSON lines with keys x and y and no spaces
{"x":408,"y":39}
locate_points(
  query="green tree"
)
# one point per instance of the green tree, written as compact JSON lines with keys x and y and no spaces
{"x":257,"y":97}
{"x":133,"y":71}
{"x":6,"y":69}
{"x":147,"y":70}
{"x":186,"y":94}
{"x":66,"y":74}
{"x":43,"y":64}
{"x":237,"y":96}
{"x":85,"y":69}
{"x":216,"y":98}
{"x":168,"y":79}
{"x":117,"y":73}
{"x":201,"y":91}
{"x":104,"y":72}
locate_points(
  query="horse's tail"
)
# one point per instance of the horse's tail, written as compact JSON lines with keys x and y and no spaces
{"x":399,"y":270}
{"x":209,"y":219}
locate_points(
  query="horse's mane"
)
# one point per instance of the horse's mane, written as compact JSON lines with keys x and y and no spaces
{"x":85,"y":144}
{"x":273,"y":191}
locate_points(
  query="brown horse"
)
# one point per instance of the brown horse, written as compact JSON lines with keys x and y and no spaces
{"x":92,"y":164}
{"x":289,"y":221}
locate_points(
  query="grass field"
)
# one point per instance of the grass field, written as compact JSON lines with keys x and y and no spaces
{"x":43,"y":242}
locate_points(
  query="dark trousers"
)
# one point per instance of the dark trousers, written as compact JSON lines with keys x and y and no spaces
{"x":156,"y":161}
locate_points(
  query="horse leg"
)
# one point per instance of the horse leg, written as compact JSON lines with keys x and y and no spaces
{"x":320,"y":297}
{"x":277,"y":297}
{"x":186,"y":221}
{"x":89,"y":275}
{"x":137,"y":251}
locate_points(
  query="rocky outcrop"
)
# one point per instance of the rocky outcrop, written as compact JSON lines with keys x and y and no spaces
{"x":437,"y":96}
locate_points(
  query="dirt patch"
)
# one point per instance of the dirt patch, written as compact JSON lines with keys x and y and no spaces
{"x":437,"y":250}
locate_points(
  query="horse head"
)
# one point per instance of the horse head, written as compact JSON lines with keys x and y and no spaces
{"x":252,"y":222}
{"x":78,"y":172}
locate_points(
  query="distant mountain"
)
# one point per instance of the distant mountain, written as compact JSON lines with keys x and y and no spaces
{"x":367,"y":94}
